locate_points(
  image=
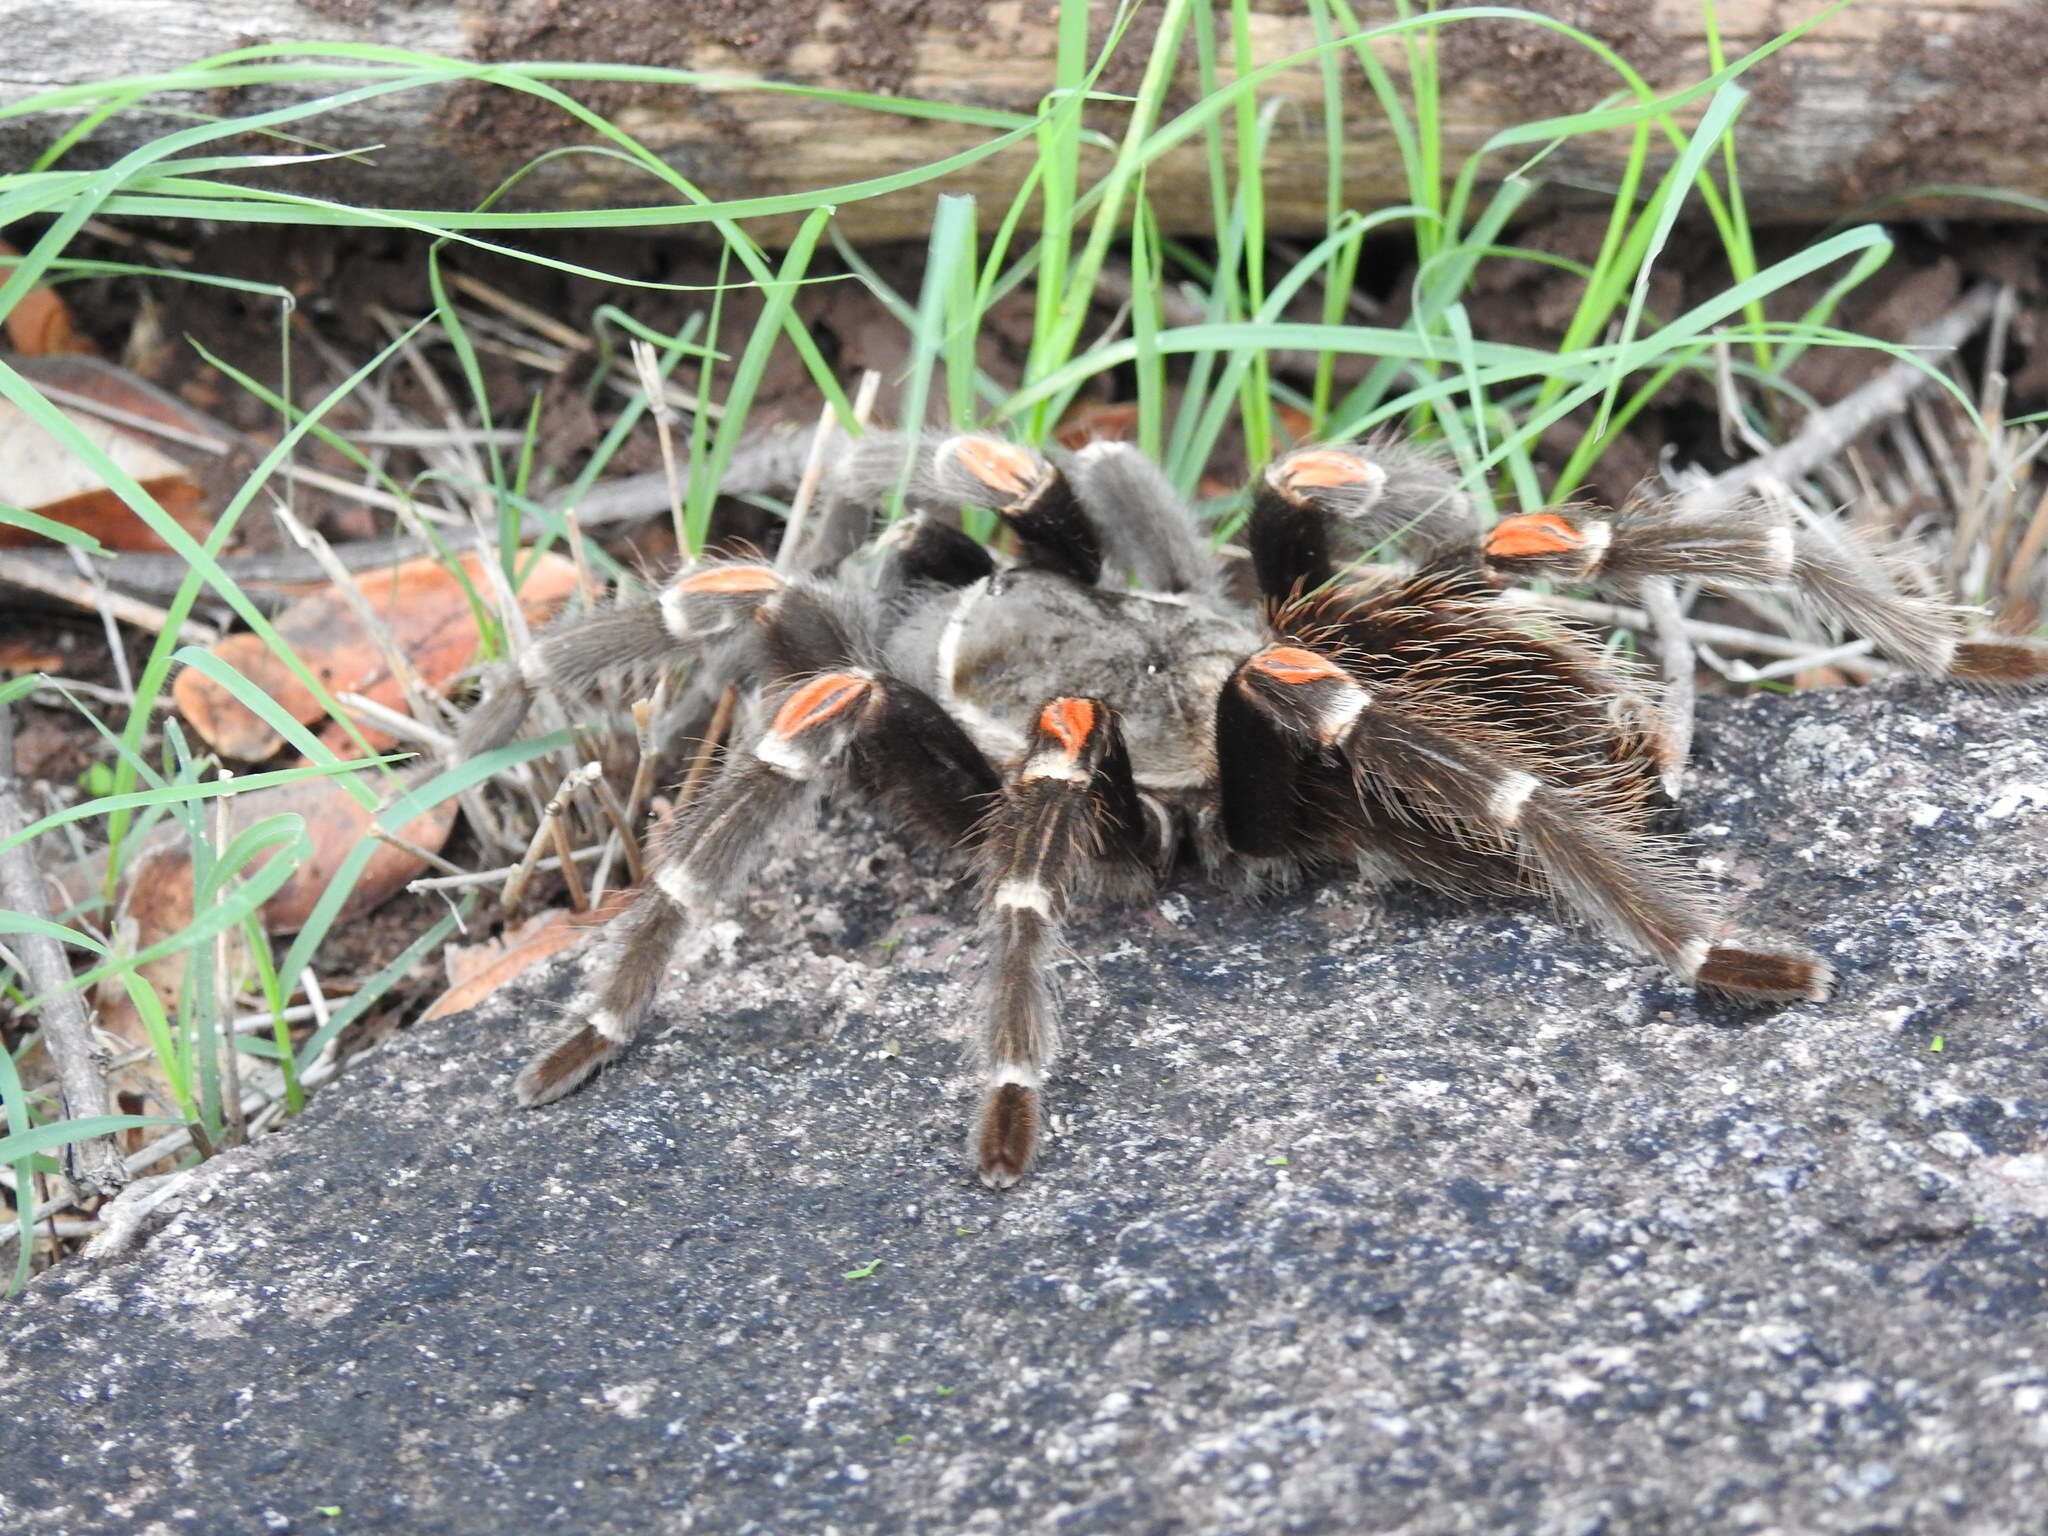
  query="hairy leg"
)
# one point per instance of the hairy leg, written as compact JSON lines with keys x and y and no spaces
{"x":1071,"y":804}
{"x":1462,"y":781}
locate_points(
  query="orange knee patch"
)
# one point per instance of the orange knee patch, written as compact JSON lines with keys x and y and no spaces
{"x":1069,"y":722}
{"x":1532,"y":534}
{"x":819,"y":700}
{"x":731,"y":578}
{"x":1323,"y":467}
{"x":998,"y":465}
{"x":1292,"y":664}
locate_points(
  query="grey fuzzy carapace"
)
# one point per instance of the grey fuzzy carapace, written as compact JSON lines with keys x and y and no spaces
{"x":1102,"y":712}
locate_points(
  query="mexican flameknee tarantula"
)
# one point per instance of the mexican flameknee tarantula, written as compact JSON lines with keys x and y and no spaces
{"x":1098,"y":713}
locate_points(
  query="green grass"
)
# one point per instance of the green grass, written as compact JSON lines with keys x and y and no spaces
{"x":1485,"y":402}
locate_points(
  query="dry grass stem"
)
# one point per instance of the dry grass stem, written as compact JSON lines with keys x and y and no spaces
{"x":550,"y":829}
{"x":622,"y":824}
{"x":93,"y":1164}
{"x":1675,"y":650}
{"x":493,"y":876}
{"x":533,"y":319}
{"x":1827,"y":432}
{"x":375,"y":630}
{"x":1726,"y":636}
{"x":81,"y":593}
{"x":392,"y":723}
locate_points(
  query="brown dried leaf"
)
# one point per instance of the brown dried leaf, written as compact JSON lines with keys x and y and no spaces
{"x":478,"y":970}
{"x":429,"y":621}
{"x":158,"y":883}
{"x":40,"y":322}
{"x":39,"y":472}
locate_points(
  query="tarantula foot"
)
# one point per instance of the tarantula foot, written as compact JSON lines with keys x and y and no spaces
{"x":563,"y":1069}
{"x":1766,"y":976}
{"x":2001,"y":663}
{"x":1009,"y":1134}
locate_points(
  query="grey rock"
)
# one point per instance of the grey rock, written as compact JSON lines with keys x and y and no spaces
{"x":1362,"y":1213}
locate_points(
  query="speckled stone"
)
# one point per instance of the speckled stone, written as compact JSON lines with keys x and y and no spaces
{"x":1362,"y":1213}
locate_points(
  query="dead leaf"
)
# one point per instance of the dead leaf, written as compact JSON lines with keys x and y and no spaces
{"x":39,"y":472}
{"x":1096,"y":421}
{"x":155,"y":900}
{"x":475,"y":971}
{"x":40,"y":322}
{"x":157,"y":885}
{"x":20,"y":653}
{"x":430,"y":624}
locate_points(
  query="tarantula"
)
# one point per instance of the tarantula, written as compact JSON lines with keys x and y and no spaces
{"x":1098,"y":715}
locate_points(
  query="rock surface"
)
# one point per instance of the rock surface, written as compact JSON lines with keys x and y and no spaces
{"x":1361,"y":1214}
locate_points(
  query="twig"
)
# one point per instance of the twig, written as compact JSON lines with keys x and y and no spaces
{"x":1698,"y":630}
{"x":1681,"y":686}
{"x":707,"y":749}
{"x":424,"y":855}
{"x":533,"y":319}
{"x":768,"y":465}
{"x":2030,"y":546}
{"x":1831,"y":656}
{"x":219,"y":447}
{"x":550,"y":821}
{"x":223,"y":980}
{"x":807,"y":486}
{"x":374,"y":627}
{"x":615,"y":813}
{"x":35,"y":576}
{"x":103,"y":601}
{"x":557,"y":823}
{"x":1828,"y":432}
{"x":93,"y":1165}
{"x":645,"y":713}
{"x":493,"y":876}
{"x":813,"y":476}
{"x":648,"y":367}
{"x":392,"y":723}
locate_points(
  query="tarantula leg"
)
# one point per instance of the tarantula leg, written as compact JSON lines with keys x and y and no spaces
{"x":705,"y":855}
{"x":568,"y":657}
{"x":1031,"y":496}
{"x":1070,"y":803}
{"x":1316,"y":508}
{"x":1292,"y":507}
{"x":1592,"y":861}
{"x":923,"y":552}
{"x":1872,"y":591}
{"x":1145,"y":529}
{"x":698,"y":611}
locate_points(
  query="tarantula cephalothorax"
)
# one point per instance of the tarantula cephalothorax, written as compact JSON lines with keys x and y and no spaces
{"x":1098,"y":713}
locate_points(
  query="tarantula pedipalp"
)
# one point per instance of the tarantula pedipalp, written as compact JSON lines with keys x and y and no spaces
{"x":1100,"y":716}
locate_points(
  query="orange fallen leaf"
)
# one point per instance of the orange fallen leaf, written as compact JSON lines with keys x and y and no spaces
{"x":19,"y":653}
{"x":38,"y":471}
{"x":430,"y":622}
{"x":158,"y":883}
{"x":155,"y":899}
{"x":40,"y":322}
{"x":484,"y":968}
{"x":1295,"y":423}
{"x":1095,"y":421}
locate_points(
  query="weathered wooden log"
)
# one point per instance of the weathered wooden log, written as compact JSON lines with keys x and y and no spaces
{"x":1885,"y":97}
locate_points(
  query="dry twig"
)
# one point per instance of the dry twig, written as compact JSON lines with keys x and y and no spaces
{"x":93,"y":1165}
{"x":1828,"y":432}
